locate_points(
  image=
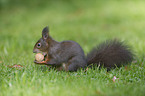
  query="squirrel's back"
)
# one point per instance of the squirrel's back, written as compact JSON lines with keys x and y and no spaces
{"x":110,"y":54}
{"x":70,"y":53}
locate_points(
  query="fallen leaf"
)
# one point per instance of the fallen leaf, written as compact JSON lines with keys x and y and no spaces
{"x":126,"y":68}
{"x":86,"y":69}
{"x":114,"y":79}
{"x":15,"y":66}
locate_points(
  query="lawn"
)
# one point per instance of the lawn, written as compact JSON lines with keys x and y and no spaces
{"x":88,"y":22}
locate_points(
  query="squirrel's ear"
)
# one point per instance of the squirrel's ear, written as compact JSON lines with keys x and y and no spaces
{"x":45,"y":33}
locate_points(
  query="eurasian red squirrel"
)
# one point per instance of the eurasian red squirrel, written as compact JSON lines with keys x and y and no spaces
{"x":69,"y":56}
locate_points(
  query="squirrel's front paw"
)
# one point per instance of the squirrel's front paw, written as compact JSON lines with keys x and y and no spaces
{"x":39,"y":62}
{"x":35,"y":61}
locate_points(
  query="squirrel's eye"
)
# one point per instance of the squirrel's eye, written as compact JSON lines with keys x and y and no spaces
{"x":39,"y":45}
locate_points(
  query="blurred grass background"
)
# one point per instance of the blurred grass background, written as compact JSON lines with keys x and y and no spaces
{"x":88,"y":22}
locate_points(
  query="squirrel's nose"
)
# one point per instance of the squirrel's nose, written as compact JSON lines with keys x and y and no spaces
{"x":36,"y":50}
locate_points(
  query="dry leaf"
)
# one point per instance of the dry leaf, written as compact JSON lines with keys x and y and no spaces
{"x":114,"y":79}
{"x":86,"y":69}
{"x":15,"y":66}
{"x":127,"y":68}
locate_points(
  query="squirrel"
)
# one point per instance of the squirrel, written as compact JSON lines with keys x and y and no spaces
{"x":69,"y":56}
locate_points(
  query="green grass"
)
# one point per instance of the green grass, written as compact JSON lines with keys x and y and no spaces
{"x":88,"y":22}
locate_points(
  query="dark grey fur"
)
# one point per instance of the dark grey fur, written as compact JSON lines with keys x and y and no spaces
{"x":110,"y":54}
{"x":70,"y":53}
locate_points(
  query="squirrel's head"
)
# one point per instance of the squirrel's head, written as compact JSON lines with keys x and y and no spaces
{"x":42,"y":44}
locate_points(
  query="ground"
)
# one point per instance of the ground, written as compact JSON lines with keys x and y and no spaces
{"x":89,"y":23}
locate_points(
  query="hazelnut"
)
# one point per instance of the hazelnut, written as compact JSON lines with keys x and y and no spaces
{"x":39,"y":57}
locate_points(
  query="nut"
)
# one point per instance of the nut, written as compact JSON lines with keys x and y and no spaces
{"x":39,"y":57}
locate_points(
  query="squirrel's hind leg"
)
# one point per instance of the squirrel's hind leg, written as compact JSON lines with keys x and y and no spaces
{"x":76,"y":63}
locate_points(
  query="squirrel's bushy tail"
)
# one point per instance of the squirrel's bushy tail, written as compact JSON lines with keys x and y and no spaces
{"x":110,"y":54}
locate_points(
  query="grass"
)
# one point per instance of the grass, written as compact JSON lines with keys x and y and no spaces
{"x":87,"y":22}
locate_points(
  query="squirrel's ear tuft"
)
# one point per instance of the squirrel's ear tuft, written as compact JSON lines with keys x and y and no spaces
{"x":45,"y":33}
